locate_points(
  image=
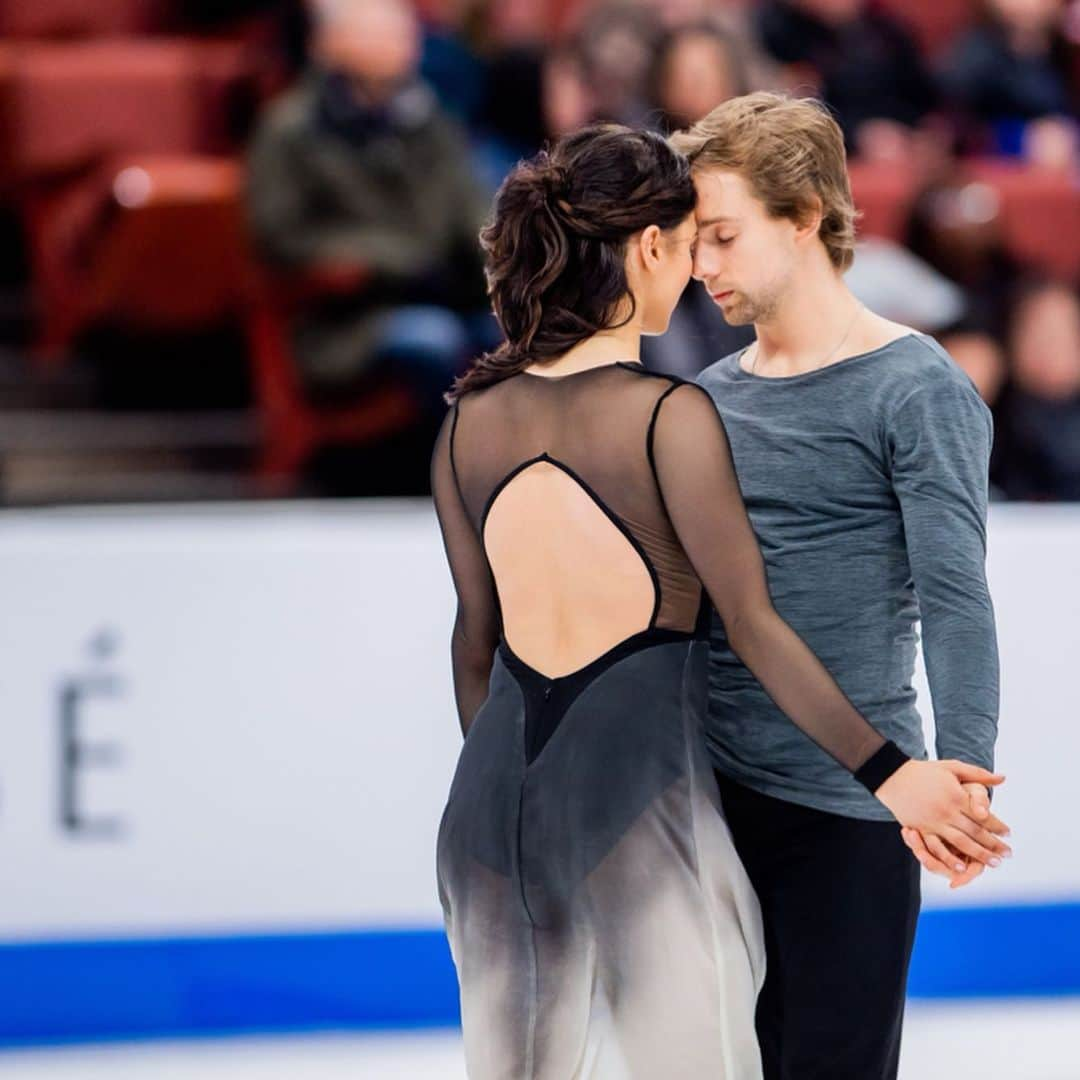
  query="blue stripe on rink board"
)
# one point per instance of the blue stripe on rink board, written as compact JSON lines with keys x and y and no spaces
{"x":147,"y":988}
{"x":69,"y":991}
{"x":1030,"y":950}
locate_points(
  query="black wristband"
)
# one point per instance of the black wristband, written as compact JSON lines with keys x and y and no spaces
{"x":878,"y":768}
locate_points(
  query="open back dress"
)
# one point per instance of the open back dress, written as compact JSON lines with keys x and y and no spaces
{"x":600,"y":920}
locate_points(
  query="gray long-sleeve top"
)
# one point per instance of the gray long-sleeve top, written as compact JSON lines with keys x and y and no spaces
{"x":866,"y":484}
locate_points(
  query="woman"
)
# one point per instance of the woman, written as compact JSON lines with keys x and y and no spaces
{"x":601,"y":922}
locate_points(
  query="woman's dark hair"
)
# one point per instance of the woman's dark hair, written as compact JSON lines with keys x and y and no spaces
{"x":556,"y":244}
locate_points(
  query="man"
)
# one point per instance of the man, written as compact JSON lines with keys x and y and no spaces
{"x":862,"y":454}
{"x":359,"y":168}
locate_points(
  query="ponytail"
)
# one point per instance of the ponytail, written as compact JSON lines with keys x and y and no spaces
{"x":555,"y":245}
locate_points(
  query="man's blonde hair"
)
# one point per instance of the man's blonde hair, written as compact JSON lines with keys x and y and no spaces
{"x":788,"y":150}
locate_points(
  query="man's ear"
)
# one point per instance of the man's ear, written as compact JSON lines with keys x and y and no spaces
{"x":809,"y":221}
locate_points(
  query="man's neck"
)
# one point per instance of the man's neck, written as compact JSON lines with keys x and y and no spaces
{"x":811,"y":326}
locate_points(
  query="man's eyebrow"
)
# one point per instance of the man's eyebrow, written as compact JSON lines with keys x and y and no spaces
{"x":715,"y":221}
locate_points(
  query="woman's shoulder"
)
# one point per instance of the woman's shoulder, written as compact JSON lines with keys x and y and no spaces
{"x":664,"y":387}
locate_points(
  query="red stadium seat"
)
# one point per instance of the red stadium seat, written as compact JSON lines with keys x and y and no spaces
{"x":884,"y":194}
{"x":935,"y":23}
{"x":80,"y":18}
{"x":169,"y":253}
{"x":1040,"y":213}
{"x":95,"y":248}
{"x":66,"y":110}
{"x":66,"y":106}
{"x":163,"y":248}
{"x":293,"y":428}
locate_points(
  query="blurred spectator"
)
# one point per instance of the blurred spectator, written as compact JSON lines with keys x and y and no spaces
{"x":955,"y":227}
{"x":900,"y":286}
{"x":533,"y":97}
{"x":1015,"y":68}
{"x":706,"y":56}
{"x":512,"y":23}
{"x":566,"y":103}
{"x":672,"y":14}
{"x":359,"y":171}
{"x":1040,"y":413}
{"x":982,"y":359}
{"x":695,"y":68}
{"x":733,"y":19}
{"x":1052,"y":142}
{"x":452,"y":67}
{"x":864,"y":64}
{"x":617,"y":41}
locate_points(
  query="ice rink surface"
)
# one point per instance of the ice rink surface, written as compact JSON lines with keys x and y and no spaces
{"x":1022,"y":1040}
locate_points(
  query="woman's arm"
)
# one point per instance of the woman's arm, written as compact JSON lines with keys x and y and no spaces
{"x":476,"y":627}
{"x":696,"y":477}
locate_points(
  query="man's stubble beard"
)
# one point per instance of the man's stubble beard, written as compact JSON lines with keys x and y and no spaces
{"x":762,"y":306}
{"x":752,"y":309}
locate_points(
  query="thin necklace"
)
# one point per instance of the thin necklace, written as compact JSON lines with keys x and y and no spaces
{"x":839,"y":345}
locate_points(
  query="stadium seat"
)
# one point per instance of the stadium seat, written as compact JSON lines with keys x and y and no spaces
{"x":884,"y":194}
{"x":107,"y":248}
{"x":80,"y":18}
{"x":67,"y":110}
{"x":67,"y":106}
{"x":292,"y":428}
{"x":1040,"y":213}
{"x":164,"y":248}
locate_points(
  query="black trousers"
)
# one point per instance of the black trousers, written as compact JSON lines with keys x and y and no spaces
{"x":840,"y":900}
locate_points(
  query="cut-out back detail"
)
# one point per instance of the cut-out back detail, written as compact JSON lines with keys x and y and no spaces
{"x":651,"y":454}
{"x":563,"y":561}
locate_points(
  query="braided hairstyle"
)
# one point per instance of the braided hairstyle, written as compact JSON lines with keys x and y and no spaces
{"x":555,"y":246}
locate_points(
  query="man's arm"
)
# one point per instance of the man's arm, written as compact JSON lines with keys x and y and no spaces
{"x":940,"y":441}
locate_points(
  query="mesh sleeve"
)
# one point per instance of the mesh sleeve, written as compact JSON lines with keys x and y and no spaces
{"x":696,"y":477}
{"x":477,"y":624}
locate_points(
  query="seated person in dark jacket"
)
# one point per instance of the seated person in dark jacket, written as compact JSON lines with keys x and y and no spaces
{"x":358,"y":167}
{"x":1013,"y":70}
{"x":869,"y":68}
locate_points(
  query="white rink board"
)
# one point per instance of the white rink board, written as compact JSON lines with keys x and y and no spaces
{"x":276,"y":680}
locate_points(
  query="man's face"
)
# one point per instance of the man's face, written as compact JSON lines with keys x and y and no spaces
{"x":744,"y":257}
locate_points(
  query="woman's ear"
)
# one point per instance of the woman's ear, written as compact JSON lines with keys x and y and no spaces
{"x":648,"y":245}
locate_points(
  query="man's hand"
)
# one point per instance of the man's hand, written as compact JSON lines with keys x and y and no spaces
{"x":947,"y":865}
{"x":933,"y":798}
{"x":939,"y":858}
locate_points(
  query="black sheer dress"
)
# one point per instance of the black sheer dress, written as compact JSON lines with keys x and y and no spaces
{"x":601,"y":923}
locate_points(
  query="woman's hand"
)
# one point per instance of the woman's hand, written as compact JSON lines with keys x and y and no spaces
{"x":930,"y":797}
{"x":950,"y":867}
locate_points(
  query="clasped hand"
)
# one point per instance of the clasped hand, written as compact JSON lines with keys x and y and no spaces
{"x":944,"y":811}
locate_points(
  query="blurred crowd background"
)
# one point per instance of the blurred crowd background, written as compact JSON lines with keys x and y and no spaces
{"x":239,"y":237}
